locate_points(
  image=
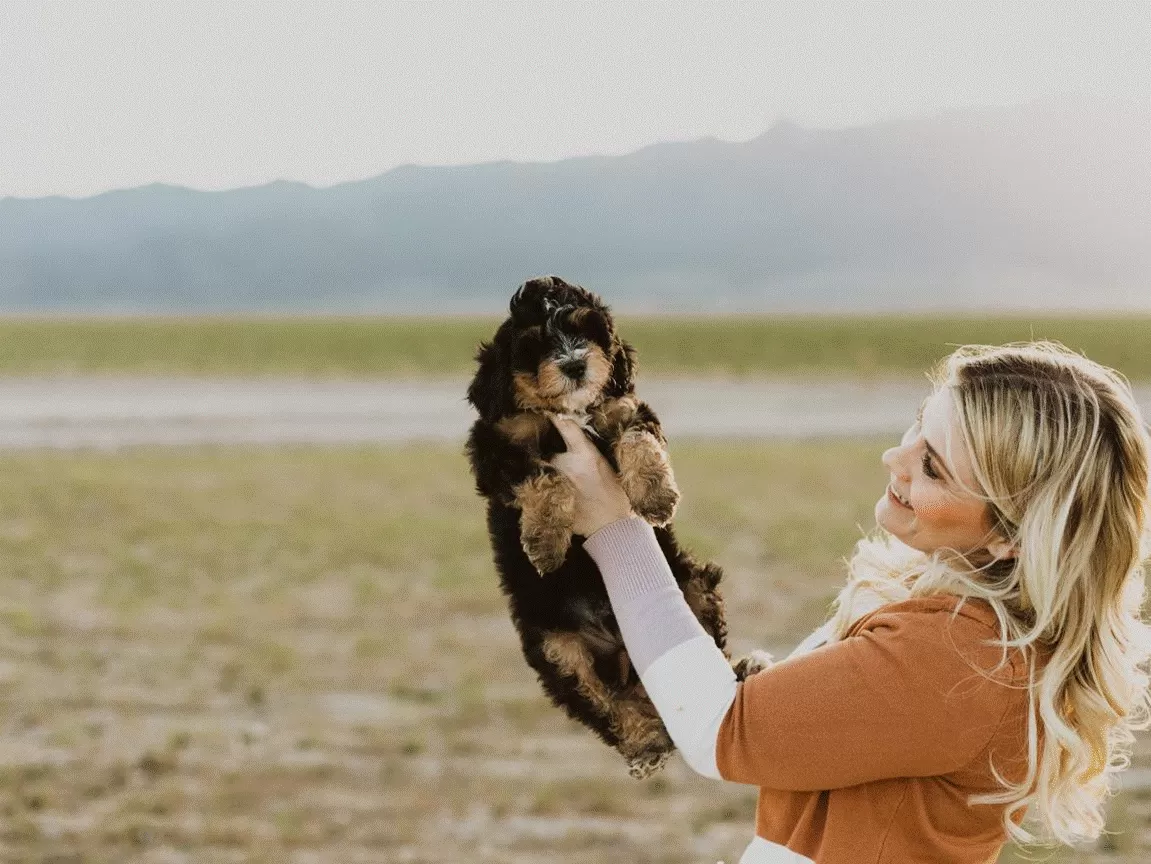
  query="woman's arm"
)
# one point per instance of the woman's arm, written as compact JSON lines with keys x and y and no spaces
{"x":896,"y":700}
{"x":687,"y":677}
{"x":903,"y":698}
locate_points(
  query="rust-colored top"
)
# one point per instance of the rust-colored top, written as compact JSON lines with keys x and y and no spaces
{"x":866,"y":749}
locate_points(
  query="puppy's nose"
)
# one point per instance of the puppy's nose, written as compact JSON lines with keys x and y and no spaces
{"x":573,"y":368}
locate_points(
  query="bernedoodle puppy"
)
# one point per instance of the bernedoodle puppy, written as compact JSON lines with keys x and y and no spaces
{"x":558,"y":352}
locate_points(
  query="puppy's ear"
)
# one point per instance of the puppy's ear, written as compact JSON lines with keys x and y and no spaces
{"x":622,"y":369}
{"x":490,"y":390}
{"x":526,"y":306}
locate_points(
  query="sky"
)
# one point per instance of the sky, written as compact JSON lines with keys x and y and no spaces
{"x":105,"y":95}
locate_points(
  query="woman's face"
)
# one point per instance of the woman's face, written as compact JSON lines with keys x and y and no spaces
{"x":924,"y":472}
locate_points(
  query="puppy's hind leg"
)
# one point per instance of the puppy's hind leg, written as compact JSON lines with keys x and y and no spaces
{"x":625,"y":720}
{"x":547,"y":510}
{"x":701,"y":592}
{"x":566,"y":667}
{"x":643,"y":739}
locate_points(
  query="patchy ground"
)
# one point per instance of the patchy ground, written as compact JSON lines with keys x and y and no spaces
{"x":301,"y":655}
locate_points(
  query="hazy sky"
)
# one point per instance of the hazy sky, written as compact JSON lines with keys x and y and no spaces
{"x":101,"y":95}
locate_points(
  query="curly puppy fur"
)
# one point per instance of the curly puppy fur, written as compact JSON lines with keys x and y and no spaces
{"x":558,"y":352}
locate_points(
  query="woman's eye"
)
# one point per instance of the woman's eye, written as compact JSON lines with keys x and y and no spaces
{"x":927,"y":469}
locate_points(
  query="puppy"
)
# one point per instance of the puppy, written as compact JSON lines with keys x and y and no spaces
{"x":558,"y":352}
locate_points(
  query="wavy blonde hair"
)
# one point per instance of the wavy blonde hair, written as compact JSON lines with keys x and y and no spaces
{"x":1060,"y":450}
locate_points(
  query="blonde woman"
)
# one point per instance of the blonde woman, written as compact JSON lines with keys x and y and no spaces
{"x":986,"y":658}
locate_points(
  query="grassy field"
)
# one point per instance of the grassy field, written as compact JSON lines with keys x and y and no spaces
{"x":301,"y":655}
{"x":746,"y":345}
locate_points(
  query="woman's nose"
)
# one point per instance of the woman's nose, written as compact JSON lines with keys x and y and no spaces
{"x":893,"y":461}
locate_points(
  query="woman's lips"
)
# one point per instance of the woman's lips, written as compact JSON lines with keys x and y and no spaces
{"x":891,"y":497}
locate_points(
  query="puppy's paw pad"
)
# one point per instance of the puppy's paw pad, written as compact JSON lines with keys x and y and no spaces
{"x":646,"y":764}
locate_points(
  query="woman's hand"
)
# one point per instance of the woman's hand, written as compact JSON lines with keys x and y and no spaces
{"x":600,"y":498}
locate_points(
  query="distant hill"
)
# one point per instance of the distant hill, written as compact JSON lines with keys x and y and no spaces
{"x":1028,"y":207}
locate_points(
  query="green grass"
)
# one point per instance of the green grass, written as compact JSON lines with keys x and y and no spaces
{"x":247,"y":653}
{"x":364,"y":347}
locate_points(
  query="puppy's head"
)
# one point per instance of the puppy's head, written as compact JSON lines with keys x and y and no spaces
{"x":557,"y":351}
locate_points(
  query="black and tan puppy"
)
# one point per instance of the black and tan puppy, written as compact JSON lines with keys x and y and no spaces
{"x":558,"y":352}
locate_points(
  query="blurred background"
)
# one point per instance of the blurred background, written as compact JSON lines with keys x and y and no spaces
{"x":247,"y":252}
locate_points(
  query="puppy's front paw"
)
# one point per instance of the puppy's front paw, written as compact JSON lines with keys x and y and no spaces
{"x":756,"y":661}
{"x":547,"y":507}
{"x":546,"y":549}
{"x":646,"y":476}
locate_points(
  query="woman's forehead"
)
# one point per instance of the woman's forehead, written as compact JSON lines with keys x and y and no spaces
{"x":938,"y":405}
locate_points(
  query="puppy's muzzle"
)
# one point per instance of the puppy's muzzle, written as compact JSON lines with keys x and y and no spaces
{"x":573,"y":367}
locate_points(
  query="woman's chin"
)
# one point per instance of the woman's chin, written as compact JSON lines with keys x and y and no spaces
{"x":888,"y":520}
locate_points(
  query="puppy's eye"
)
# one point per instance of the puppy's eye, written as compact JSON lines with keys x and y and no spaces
{"x":528,"y":349}
{"x":594,"y":327}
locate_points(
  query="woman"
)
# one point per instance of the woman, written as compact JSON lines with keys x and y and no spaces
{"x":985,"y":655}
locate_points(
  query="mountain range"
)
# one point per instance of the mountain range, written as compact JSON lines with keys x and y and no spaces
{"x":1041,"y":206}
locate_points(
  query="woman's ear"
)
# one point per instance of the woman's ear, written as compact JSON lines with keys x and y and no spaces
{"x":1001,"y":549}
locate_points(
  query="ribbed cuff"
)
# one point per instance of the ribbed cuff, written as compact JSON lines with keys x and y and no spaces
{"x":629,"y":558}
{"x":653,"y":623}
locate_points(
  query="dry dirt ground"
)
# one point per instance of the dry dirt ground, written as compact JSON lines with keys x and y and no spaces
{"x":301,"y":655}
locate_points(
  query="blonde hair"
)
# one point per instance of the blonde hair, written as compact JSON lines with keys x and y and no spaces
{"x":1060,"y":451}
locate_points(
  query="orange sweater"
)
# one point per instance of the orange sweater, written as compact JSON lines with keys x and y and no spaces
{"x":866,"y":749}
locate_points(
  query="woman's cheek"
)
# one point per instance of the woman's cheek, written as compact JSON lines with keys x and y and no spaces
{"x":930,"y":506}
